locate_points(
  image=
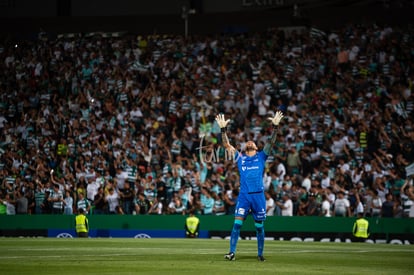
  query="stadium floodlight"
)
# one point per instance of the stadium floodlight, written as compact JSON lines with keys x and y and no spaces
{"x":184,"y":15}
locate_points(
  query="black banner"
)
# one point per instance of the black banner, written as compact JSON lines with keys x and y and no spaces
{"x":319,"y":237}
{"x":24,"y":233}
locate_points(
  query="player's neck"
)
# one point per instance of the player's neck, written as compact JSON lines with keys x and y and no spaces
{"x":251,"y":153}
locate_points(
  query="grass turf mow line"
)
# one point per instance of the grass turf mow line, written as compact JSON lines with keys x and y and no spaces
{"x":200,"y":256}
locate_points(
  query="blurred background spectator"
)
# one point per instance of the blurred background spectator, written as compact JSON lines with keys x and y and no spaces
{"x":126,"y":123}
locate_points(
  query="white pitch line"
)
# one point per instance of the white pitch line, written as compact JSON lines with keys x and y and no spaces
{"x":199,"y":252}
{"x":62,"y":256}
{"x":345,"y":251}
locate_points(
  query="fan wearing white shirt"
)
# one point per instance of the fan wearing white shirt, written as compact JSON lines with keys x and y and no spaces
{"x":326,"y":206}
{"x":286,"y":206}
{"x":270,"y":205}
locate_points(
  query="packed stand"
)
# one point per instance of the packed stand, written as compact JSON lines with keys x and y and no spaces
{"x":125,"y":125}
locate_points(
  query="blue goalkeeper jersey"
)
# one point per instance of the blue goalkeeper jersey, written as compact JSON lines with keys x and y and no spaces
{"x":251,"y":171}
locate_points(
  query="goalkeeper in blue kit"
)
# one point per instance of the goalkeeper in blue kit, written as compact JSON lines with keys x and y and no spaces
{"x":251,"y":199}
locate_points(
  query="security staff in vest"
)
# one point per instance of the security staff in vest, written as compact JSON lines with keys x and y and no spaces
{"x":361,"y":228}
{"x":192,"y":225}
{"x":82,"y":226}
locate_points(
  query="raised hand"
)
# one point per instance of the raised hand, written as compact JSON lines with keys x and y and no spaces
{"x":221,"y":121}
{"x":277,"y":118}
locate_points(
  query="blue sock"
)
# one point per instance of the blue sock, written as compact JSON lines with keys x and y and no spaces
{"x":235,"y":235}
{"x":260,"y":238}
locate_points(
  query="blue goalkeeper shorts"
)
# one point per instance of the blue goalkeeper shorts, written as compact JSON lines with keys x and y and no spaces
{"x":253,"y":203}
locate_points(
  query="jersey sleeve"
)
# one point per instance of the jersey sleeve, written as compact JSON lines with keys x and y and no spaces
{"x":236,"y":155}
{"x":263,"y":156}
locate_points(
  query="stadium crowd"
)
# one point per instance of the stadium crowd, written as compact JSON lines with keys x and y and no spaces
{"x":125,"y":124}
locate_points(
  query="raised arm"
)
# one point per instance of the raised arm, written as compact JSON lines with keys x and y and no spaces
{"x":275,"y":121}
{"x":222,"y":123}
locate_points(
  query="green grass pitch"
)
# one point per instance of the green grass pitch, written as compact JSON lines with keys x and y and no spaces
{"x":198,"y":256}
